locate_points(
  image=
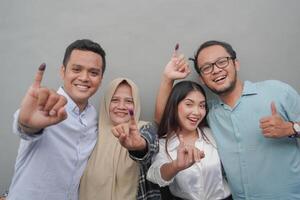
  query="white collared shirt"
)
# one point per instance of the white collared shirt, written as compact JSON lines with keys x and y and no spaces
{"x":202,"y":181}
{"x":50,"y":165}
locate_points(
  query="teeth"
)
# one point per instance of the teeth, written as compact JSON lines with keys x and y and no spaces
{"x":121,"y":114}
{"x":219,"y":78}
{"x":84,"y":87}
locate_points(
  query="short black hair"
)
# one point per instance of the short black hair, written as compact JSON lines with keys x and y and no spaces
{"x":209,"y":43}
{"x":85,"y":45}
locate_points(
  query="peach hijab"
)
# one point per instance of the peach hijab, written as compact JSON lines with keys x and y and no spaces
{"x":110,"y":173}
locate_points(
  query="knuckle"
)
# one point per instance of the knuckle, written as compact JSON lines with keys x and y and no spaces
{"x":53,"y":97}
{"x":63,"y":99}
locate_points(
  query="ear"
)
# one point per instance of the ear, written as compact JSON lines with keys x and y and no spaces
{"x":62,"y":72}
{"x":201,"y":79}
{"x":237,"y":64}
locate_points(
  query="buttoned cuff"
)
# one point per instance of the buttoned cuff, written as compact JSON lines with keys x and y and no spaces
{"x":142,"y":154}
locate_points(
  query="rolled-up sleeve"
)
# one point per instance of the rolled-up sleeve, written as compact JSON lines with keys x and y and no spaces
{"x":158,"y":161}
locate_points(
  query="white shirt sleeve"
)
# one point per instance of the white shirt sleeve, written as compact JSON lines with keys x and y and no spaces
{"x":160,"y":159}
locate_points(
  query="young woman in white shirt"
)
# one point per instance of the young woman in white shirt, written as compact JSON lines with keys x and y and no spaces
{"x":188,"y":161}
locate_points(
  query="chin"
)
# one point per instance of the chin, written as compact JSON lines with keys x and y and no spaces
{"x":190,"y":128}
{"x":222,"y":90}
{"x":119,"y":121}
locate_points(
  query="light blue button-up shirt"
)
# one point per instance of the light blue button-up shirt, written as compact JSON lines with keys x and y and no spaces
{"x":258,"y":168}
{"x":50,"y":165}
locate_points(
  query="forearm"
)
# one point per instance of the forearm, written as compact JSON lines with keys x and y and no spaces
{"x":165,"y":88}
{"x":168,"y":171}
{"x":156,"y":169}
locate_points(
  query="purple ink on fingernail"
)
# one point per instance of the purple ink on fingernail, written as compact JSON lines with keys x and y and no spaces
{"x":130,"y":112}
{"x":42,"y":67}
{"x":176,"y":47}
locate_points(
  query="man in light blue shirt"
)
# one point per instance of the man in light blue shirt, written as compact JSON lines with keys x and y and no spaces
{"x":58,"y":130}
{"x":255,"y":125}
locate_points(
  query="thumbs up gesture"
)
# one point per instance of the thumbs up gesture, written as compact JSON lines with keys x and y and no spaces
{"x":129,"y":135}
{"x":274,"y":126}
{"x":41,"y":107}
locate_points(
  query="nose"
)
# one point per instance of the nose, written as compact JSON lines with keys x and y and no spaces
{"x":84,"y":76}
{"x":121,"y":105}
{"x":197,"y":110}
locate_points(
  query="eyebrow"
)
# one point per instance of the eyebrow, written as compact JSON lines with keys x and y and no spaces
{"x":76,"y":65}
{"x":116,"y":96}
{"x":90,"y":69}
{"x":208,"y":63}
{"x":130,"y":98}
{"x":193,"y":100}
{"x":189,"y":100}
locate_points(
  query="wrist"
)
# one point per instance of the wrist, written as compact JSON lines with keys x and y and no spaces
{"x":175,"y":166}
{"x":24,"y":128}
{"x":166,"y":79}
{"x":295,"y":130}
{"x":143,"y":145}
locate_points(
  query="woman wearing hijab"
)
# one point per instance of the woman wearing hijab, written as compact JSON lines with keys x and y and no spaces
{"x":114,"y":172}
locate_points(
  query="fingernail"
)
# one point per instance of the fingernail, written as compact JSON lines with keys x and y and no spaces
{"x":176,"y":47}
{"x":130,"y":112}
{"x":52,"y":112}
{"x":42,"y":67}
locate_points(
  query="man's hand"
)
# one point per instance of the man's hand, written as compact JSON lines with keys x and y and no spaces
{"x":129,"y":135}
{"x":187,"y":155}
{"x":41,"y":107}
{"x":274,"y":126}
{"x":177,"y":67}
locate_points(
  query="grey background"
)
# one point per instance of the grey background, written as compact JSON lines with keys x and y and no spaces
{"x":138,"y":36}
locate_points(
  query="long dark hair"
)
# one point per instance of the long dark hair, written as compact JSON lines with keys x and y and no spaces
{"x":170,"y":121}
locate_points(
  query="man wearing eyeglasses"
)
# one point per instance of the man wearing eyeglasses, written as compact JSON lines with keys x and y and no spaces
{"x":256,"y":125}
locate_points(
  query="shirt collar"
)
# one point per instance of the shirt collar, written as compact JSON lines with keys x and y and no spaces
{"x":173,"y":142}
{"x":71,"y":105}
{"x":249,"y":88}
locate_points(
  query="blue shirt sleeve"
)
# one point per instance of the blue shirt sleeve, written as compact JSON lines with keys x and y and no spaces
{"x":149,"y":133}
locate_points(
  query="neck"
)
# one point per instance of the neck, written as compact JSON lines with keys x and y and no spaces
{"x":189,"y":137}
{"x":81,"y":106}
{"x":230,"y":98}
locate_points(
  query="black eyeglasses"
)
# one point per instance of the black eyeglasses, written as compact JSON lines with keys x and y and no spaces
{"x":221,"y":63}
